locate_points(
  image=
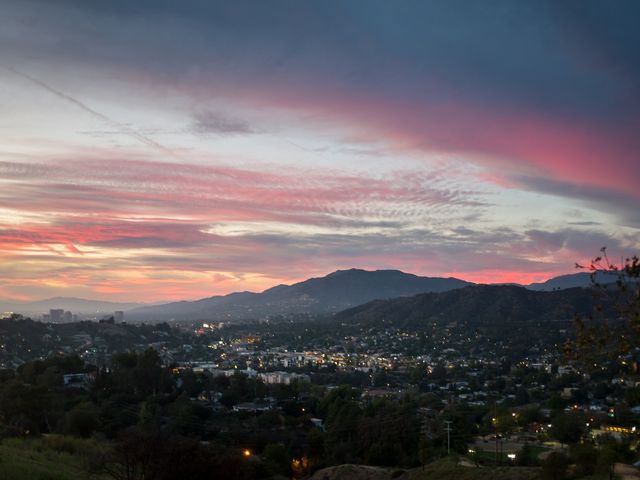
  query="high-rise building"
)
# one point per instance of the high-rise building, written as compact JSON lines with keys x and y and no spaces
{"x":118,"y":316}
{"x":56,"y":315}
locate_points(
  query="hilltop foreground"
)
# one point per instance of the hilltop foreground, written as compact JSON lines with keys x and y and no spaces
{"x":444,"y":469}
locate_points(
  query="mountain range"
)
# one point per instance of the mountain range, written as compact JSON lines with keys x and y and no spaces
{"x":332,"y":293}
{"x":337,"y":291}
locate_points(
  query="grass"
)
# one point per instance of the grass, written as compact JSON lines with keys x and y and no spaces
{"x":48,"y":458}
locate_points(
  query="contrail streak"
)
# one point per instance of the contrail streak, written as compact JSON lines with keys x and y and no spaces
{"x":116,"y":125}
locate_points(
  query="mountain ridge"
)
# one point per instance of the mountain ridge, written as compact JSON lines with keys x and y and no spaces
{"x":498,"y":305}
{"x":331,"y":293}
{"x":572,"y":280}
{"x":336,"y":291}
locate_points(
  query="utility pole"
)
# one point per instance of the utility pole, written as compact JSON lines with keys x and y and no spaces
{"x":494,"y":420}
{"x":448,"y":427}
{"x":425,"y":435}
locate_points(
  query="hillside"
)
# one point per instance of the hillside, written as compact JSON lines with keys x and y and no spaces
{"x":475,"y":305}
{"x":336,"y":291}
{"x":444,"y":469}
{"x":50,"y":458}
{"x":580,"y":279}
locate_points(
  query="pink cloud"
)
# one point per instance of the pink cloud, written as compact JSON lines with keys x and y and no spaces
{"x":177,"y":273}
{"x":112,"y":201}
{"x":218,"y":193}
{"x":509,"y":142}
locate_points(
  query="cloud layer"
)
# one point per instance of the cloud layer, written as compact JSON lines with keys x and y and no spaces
{"x":156,"y":150}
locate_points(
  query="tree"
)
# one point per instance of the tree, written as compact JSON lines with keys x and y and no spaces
{"x":148,"y":373}
{"x":82,"y":420}
{"x":278,"y":458}
{"x":524,"y":458}
{"x":607,"y":458}
{"x":555,"y":466}
{"x":315,"y":446}
{"x":183,"y":419}
{"x":191,"y":383}
{"x":568,"y":428}
{"x":613,"y":330}
{"x":585,"y":456}
{"x":150,"y":416}
{"x":23,"y":408}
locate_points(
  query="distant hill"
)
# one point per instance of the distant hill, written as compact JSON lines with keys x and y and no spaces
{"x":581,"y":279}
{"x":334,"y":292}
{"x":75,"y":305}
{"x":337,"y":291}
{"x":498,"y":305}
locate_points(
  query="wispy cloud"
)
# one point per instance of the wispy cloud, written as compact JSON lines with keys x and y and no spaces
{"x":224,"y":193}
{"x":492,"y":141}
{"x":120,"y":127}
{"x":208,"y":122}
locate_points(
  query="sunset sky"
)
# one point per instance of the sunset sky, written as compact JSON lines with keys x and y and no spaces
{"x":162,"y":150}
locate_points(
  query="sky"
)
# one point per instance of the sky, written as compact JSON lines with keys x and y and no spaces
{"x":158,"y":150}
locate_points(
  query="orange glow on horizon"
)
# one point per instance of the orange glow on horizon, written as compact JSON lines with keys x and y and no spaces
{"x":118,"y":286}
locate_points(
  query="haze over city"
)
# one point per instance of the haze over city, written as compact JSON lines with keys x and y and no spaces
{"x":155,"y":151}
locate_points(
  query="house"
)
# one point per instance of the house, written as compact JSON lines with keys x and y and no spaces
{"x":78,"y":380}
